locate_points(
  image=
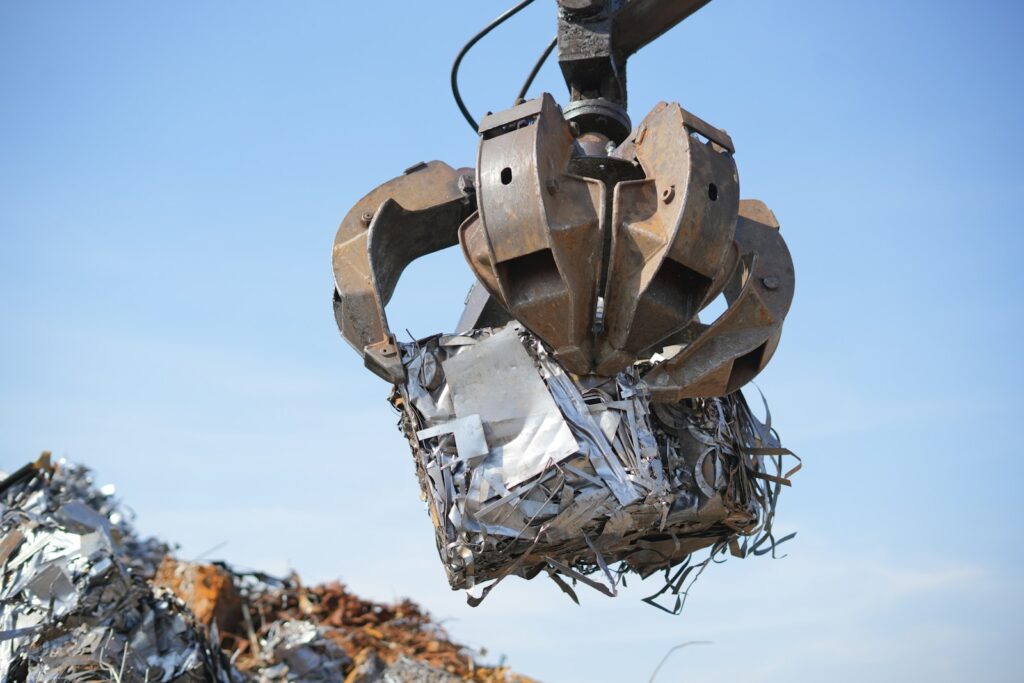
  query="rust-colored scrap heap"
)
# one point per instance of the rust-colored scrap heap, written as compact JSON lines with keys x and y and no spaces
{"x":83,"y":597}
{"x":281,"y":623}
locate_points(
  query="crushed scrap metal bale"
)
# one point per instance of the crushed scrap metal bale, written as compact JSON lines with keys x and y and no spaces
{"x":528,"y":469}
{"x":83,"y":597}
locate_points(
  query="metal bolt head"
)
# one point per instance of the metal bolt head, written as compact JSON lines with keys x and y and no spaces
{"x":668,"y":194}
{"x":367,"y":217}
{"x":467,"y":183}
{"x":770,"y":282}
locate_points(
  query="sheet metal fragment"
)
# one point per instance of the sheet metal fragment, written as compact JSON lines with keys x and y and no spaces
{"x":497,"y":379}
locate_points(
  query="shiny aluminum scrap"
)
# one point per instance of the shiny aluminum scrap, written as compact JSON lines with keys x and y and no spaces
{"x":74,"y":601}
{"x":527,"y":470}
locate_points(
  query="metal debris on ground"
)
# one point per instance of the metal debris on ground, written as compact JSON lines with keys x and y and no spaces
{"x":83,"y":597}
{"x":528,"y":470}
{"x":75,"y":603}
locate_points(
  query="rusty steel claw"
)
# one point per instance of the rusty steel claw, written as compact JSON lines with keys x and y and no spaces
{"x":537,"y":237}
{"x":672,"y":233}
{"x":603,"y":283}
{"x":732,"y":350}
{"x":537,"y":244}
{"x":410,"y":216}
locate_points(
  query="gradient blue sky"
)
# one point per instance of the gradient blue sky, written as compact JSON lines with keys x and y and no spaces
{"x":171,"y":177}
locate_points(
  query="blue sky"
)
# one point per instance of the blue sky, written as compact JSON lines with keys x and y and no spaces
{"x":171,"y":177}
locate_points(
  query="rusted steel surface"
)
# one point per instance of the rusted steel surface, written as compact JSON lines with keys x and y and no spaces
{"x":641,"y":21}
{"x":541,"y":228}
{"x":206,"y":589}
{"x":595,"y":40}
{"x":672,"y":233}
{"x":410,"y":216}
{"x":736,"y":347}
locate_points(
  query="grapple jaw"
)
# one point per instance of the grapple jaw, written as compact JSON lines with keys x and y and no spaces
{"x":607,"y":259}
{"x":407,"y":217}
{"x":734,"y":348}
{"x":672,"y":233}
{"x":536,"y":242}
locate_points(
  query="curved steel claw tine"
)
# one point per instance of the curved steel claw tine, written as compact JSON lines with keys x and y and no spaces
{"x":537,"y":244}
{"x":672,"y":233}
{"x":410,"y":216}
{"x":736,"y":347}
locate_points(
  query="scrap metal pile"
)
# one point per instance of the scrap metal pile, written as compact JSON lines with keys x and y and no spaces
{"x":588,"y":411}
{"x":83,"y":598}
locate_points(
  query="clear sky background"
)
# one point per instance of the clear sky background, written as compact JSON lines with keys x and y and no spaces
{"x":171,"y":178}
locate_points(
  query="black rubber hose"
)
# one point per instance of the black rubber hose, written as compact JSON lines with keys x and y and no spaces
{"x":536,"y":69}
{"x":466,"y":48}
